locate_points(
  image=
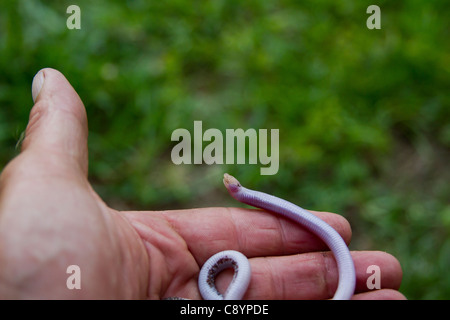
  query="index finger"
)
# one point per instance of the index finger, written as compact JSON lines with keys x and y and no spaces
{"x":253,"y":232}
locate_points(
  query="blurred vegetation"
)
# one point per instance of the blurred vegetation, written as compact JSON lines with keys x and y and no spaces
{"x":363,"y":114}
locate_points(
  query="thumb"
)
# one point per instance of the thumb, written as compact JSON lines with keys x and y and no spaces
{"x":57,"y":127}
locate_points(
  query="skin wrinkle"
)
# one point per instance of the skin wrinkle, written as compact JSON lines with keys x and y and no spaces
{"x":43,"y":158}
{"x":181,"y":286}
{"x":242,"y":235}
{"x":237,"y":234}
{"x":168,"y":245}
{"x":130,"y":251}
{"x":155,"y":284}
{"x":280,"y":231}
{"x":182,"y":279}
{"x":174,"y":228}
{"x":329,"y":268}
{"x":18,"y":169}
{"x":233,"y":231}
{"x":223,"y":276}
{"x":283,"y":237}
{"x":275,"y":283}
{"x":35,"y":116}
{"x":274,"y":277}
{"x":142,"y":230}
{"x":71,"y":147}
{"x":311,"y":278}
{"x":293,"y":246}
{"x":267,"y":285}
{"x":287,"y":244}
{"x":328,"y":275}
{"x":308,"y":241}
{"x":220,"y":240}
{"x":313,"y":275}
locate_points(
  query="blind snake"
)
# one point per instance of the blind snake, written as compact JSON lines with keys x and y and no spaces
{"x":236,"y":260}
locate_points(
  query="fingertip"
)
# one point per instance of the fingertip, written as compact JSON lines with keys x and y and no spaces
{"x":381,"y":294}
{"x":39,"y":80}
{"x":377,"y":264}
{"x":57,"y":122}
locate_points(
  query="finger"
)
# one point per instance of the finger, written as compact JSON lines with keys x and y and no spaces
{"x":57,"y":127}
{"x":372,"y":266}
{"x":382,"y":294}
{"x":255,"y":233}
{"x":313,"y":275}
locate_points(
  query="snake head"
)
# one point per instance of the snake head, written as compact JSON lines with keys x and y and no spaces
{"x":231,"y":183}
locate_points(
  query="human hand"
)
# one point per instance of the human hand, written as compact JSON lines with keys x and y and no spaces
{"x":51,"y":218}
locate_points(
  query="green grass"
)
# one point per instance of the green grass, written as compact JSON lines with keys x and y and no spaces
{"x":363,"y":114}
